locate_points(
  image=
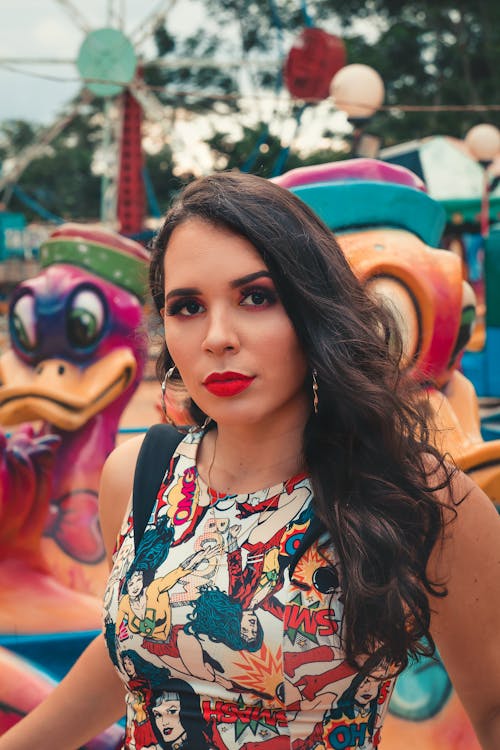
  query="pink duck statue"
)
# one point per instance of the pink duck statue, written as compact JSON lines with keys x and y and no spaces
{"x":76,"y":357}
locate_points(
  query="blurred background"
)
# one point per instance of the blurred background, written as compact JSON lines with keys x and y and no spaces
{"x":109,"y":107}
{"x":223,"y":84}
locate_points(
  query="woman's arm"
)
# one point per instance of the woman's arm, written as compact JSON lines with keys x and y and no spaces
{"x":85,"y":703}
{"x":465,"y":623}
{"x":91,"y":696}
{"x":115,"y":491}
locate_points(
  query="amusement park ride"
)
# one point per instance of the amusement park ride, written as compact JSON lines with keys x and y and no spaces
{"x":74,"y":364}
{"x":110,"y":65}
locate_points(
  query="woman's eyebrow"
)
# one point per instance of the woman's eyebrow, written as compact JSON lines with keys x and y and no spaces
{"x":188,"y":291}
{"x":250,"y":277}
{"x":193,"y":291}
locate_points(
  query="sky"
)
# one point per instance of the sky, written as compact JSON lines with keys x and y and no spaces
{"x":48,"y":29}
{"x":55,"y":29}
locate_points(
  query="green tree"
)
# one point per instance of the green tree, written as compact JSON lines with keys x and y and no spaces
{"x":14,"y":136}
{"x":164,"y":183}
{"x":427,"y":52}
{"x":260,"y":152}
{"x":430,"y":53}
{"x":60,"y":179}
{"x":185,"y":85}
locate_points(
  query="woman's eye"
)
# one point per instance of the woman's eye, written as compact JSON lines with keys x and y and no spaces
{"x":257,"y":298}
{"x":192,"y":307}
{"x":184,"y":308}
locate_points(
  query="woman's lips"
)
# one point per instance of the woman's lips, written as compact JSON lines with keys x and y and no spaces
{"x":227,"y":383}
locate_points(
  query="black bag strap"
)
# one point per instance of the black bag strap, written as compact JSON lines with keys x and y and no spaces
{"x":156,"y":451}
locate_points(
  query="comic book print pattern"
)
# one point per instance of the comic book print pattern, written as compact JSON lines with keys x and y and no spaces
{"x":223,"y":639}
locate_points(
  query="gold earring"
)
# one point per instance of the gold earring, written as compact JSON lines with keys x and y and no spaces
{"x":179,"y":402}
{"x":166,"y":379}
{"x":315,"y":390}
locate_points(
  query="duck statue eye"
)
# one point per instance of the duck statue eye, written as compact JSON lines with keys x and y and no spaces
{"x":85,"y":319}
{"x":401,"y":302}
{"x":23,"y":323}
{"x":467,"y":322}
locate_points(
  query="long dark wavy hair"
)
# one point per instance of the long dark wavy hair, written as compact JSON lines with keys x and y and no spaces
{"x":190,"y":716}
{"x":218,"y":616}
{"x":153,"y":551}
{"x":368,"y":451}
{"x":152,"y":676}
{"x":345,"y":706}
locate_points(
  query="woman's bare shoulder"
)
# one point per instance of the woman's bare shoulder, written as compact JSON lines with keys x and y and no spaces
{"x":120,"y":464}
{"x":458,"y":494}
{"x":117,"y":480}
{"x":447,"y":482}
{"x":465,"y":622}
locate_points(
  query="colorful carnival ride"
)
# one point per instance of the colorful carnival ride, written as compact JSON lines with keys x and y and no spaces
{"x":469,"y":192}
{"x":76,"y":358}
{"x":390,"y":229}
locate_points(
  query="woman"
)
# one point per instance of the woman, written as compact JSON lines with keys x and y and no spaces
{"x":216,"y":615}
{"x":297,"y":369}
{"x":176,"y":718}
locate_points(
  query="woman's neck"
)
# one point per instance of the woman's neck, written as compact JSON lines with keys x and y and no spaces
{"x":236,"y":460}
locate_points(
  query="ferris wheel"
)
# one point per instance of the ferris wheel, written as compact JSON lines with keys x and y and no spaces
{"x":110,"y":62}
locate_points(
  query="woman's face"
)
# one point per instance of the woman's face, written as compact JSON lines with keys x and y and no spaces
{"x":135,"y":584}
{"x":368,"y":689}
{"x":167,"y":718}
{"x":227,"y":332}
{"x":249,"y":626}
{"x":128,"y":666}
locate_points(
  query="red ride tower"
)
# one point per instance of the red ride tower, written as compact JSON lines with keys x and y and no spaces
{"x":131,"y":197}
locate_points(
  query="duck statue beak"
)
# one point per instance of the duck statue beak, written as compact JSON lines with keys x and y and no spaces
{"x":60,"y":392}
{"x":457,"y":427}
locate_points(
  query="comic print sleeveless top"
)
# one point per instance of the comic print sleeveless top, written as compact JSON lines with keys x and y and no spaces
{"x":218,"y":646}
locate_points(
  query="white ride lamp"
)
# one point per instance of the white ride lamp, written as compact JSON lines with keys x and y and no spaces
{"x":358,"y":90}
{"x":483,"y":142}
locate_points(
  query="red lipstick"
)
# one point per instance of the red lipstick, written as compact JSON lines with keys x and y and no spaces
{"x":227,"y":383}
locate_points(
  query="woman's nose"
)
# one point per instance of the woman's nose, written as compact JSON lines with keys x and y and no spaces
{"x":221,"y":334}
